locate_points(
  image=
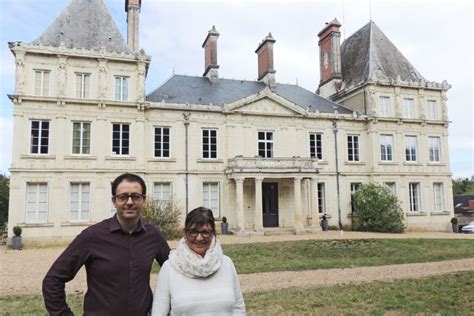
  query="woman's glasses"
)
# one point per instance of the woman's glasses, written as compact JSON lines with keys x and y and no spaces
{"x":194,"y":233}
{"x":122,"y":198}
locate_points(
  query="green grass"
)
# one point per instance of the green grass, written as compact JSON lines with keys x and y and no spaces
{"x":327,"y":254}
{"x":449,"y":294}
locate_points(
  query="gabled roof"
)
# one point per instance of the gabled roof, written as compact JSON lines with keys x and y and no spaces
{"x":368,"y":55}
{"x":84,"y":24}
{"x":198,"y":90}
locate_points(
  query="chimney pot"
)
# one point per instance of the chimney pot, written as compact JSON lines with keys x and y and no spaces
{"x":210,"y":56}
{"x":132,"y":7}
{"x":266,"y":71}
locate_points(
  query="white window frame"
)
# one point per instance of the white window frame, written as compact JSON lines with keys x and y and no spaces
{"x":207,"y":199}
{"x":414,"y":197}
{"x":83,"y":82}
{"x":121,"y":148}
{"x":438,"y":197}
{"x":392,"y":186}
{"x":208,"y":141}
{"x":434,"y":148}
{"x":432,"y":110}
{"x":408,"y":108}
{"x":161,"y":152}
{"x":159,"y":193}
{"x":411,"y":150}
{"x":82,"y":146}
{"x":44,"y":88}
{"x":81,"y":217}
{"x":384,"y":106}
{"x":121,"y":88}
{"x":353,"y":148}
{"x":316,"y":145}
{"x":386,"y":147}
{"x":355,"y":186}
{"x":41,"y":139}
{"x":37,"y":201}
{"x":268,"y":144}
{"x":321,"y":198}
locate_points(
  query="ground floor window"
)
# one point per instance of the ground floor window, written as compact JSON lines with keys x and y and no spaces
{"x":162,"y":193}
{"x":354,"y":187}
{"x":392,"y":186}
{"x":414,"y":197}
{"x":438,"y":197}
{"x":321,"y":198}
{"x":36,"y":202}
{"x":210,"y":193}
{"x":79,"y":208}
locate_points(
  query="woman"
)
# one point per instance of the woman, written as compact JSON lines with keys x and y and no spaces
{"x":198,"y":278}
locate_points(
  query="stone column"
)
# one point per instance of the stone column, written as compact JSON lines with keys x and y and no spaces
{"x":239,"y":187}
{"x":258,"y":225}
{"x":298,"y":211}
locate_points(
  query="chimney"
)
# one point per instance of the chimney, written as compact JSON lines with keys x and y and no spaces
{"x":330,"y":55}
{"x":210,"y":56}
{"x":132,"y":7}
{"x":266,"y":71}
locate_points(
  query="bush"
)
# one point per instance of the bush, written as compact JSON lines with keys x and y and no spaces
{"x":17,"y":230}
{"x":166,"y":216}
{"x":377,"y":210}
{"x":454,"y":220}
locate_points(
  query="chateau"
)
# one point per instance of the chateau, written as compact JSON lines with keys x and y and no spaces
{"x":263,"y":154}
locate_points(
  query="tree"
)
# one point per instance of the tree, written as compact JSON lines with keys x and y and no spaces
{"x":377,"y":209}
{"x":165,"y":215}
{"x":463,"y":186}
{"x":4,"y":198}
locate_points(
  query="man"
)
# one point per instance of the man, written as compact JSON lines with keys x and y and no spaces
{"x":118,"y":254}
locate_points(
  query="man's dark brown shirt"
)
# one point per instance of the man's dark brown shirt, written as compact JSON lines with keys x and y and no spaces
{"x":118,"y":266}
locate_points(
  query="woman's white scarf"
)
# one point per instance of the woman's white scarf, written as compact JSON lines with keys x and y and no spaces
{"x":192,"y":265}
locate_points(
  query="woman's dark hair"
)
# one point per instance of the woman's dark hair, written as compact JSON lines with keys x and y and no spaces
{"x":129,"y":177}
{"x":199,"y":217}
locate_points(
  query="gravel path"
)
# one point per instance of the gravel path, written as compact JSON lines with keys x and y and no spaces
{"x":21,"y":272}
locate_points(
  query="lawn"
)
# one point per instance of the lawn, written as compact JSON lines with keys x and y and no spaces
{"x":329,"y":254}
{"x":449,"y":294}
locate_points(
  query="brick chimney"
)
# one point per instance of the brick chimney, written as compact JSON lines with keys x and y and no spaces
{"x":132,"y":7}
{"x":330,"y":58}
{"x":266,"y":71}
{"x":210,"y":56}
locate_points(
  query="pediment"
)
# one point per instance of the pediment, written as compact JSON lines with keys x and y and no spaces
{"x":265,"y":106}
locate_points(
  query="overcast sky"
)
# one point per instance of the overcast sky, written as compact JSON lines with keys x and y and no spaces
{"x":436,"y":36}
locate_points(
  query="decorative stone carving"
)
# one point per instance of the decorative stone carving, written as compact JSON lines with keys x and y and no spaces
{"x":141,"y":82}
{"x":103,"y":78}
{"x":20,"y":73}
{"x":62,"y":75}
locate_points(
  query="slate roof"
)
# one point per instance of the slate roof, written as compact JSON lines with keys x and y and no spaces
{"x":368,"y":55}
{"x":198,"y":90}
{"x":84,"y":24}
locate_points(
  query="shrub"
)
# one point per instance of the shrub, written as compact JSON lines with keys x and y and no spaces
{"x":454,"y":220}
{"x":224,"y":219}
{"x":165,"y":215}
{"x":17,"y":230}
{"x":377,"y":210}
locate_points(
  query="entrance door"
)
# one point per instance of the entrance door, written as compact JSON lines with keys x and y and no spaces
{"x":270,"y":204}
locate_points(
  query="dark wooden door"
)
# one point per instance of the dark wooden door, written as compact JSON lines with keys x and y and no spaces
{"x":270,"y":204}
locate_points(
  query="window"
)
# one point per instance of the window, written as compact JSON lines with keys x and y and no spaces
{"x":431,"y":110}
{"x":82,"y":85}
{"x":434,"y":146}
{"x":410,"y":148}
{"x":354,"y":188}
{"x":384,"y":106}
{"x":414,"y":196}
{"x":392,"y":186}
{"x":265,"y":144}
{"x":353,"y":148}
{"x":162,"y":193}
{"x":210,"y":193}
{"x":36,"y":203}
{"x":39,"y":140}
{"x":120,"y":139}
{"x":41,"y":83}
{"x":81,"y":138}
{"x":79,"y":208}
{"x":209,"y":143}
{"x":438,"y":197}
{"x":321,"y":198}
{"x":162,"y":142}
{"x":121,"y":88}
{"x":316,"y":145}
{"x":408,"y":108}
{"x":386,"y":147}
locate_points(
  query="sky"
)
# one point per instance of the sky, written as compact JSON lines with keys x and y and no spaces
{"x":435,"y":36}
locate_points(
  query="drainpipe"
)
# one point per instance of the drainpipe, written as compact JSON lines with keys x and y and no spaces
{"x":334,"y":129}
{"x":186,"y":125}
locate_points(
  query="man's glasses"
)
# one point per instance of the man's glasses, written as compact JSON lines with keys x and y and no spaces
{"x":194,"y":233}
{"x":122,"y":198}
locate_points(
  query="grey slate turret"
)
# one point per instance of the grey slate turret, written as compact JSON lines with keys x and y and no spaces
{"x":84,"y":24}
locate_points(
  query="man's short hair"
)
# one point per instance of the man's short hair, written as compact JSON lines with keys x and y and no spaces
{"x":129,"y":177}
